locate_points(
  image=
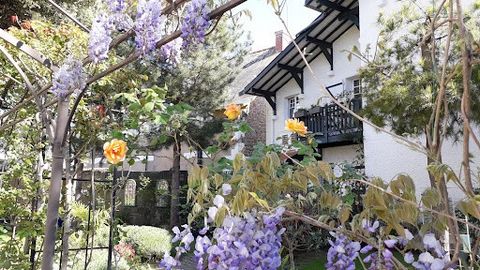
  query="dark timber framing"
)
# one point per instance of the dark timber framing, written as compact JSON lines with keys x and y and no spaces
{"x":326,"y":47}
{"x":297,"y":74}
{"x":318,"y":38}
{"x":345,"y":13}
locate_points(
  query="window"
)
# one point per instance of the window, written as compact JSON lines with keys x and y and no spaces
{"x":292,"y":106}
{"x":161,"y":193}
{"x":357,"y":87}
{"x":130,"y":192}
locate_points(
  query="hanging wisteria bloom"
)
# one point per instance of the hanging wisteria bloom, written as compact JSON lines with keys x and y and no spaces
{"x":69,"y":77}
{"x":168,"y":53}
{"x":248,"y":242}
{"x":342,"y":253}
{"x":116,"y":5}
{"x":433,"y":258}
{"x":99,"y":42}
{"x":382,"y":256}
{"x":148,"y":25}
{"x":195,"y":23}
{"x":118,"y":18}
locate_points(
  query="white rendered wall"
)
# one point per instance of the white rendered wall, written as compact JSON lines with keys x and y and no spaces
{"x":340,"y":154}
{"x":385,"y":157}
{"x":343,"y":68}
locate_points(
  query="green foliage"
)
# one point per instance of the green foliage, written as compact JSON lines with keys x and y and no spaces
{"x":11,"y":253}
{"x":98,"y":261}
{"x":149,"y":242}
{"x":402,"y":74}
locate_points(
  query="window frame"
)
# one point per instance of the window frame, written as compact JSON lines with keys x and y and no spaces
{"x":296,"y":101}
{"x":127,"y":194}
{"x":162,"y":197}
{"x":356,"y":87}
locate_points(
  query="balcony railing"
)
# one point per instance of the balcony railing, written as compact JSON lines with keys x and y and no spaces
{"x":332,"y":125}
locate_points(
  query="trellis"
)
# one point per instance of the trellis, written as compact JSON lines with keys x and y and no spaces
{"x":57,"y":137}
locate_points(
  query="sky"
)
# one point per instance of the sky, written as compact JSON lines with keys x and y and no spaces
{"x":265,"y":23}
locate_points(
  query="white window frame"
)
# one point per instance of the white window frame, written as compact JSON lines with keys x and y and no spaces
{"x":351,"y":87}
{"x":130,"y":193}
{"x":296,"y":100}
{"x":357,"y":87}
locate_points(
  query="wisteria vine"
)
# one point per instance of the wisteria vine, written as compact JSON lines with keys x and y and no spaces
{"x":250,"y":241}
{"x":343,"y":251}
{"x":196,"y":23}
{"x":69,"y":77}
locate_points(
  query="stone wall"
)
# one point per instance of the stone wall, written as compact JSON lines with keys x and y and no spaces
{"x":256,"y":118}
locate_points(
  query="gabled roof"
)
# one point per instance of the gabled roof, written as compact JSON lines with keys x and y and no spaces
{"x":252,"y":65}
{"x":317,"y":38}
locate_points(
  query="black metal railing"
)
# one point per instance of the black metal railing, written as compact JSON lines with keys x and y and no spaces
{"x":333,"y":125}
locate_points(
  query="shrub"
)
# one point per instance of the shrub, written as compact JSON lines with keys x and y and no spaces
{"x":150,"y":242}
{"x":98,"y":261}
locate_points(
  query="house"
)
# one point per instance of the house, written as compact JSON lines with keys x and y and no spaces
{"x":293,"y":92}
{"x":255,"y":107}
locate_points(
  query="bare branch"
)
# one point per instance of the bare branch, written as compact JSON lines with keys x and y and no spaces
{"x":66,"y":13}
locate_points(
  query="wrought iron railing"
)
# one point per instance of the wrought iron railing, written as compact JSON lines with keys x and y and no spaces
{"x":333,"y":125}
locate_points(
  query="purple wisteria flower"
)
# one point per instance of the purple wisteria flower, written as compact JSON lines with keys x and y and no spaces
{"x":247,"y":242}
{"x":168,"y":53}
{"x":116,"y":5}
{"x":69,"y":77}
{"x":433,"y":258}
{"x":383,"y":257}
{"x":370,"y":227}
{"x":168,"y":262}
{"x":342,"y":253}
{"x":118,"y":17}
{"x":148,"y":25}
{"x":99,"y":41}
{"x":195,"y":23}
{"x":226,"y":189}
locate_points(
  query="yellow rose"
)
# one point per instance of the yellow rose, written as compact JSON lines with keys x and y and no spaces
{"x":293,"y":125}
{"x":115,"y":151}
{"x":233,"y":111}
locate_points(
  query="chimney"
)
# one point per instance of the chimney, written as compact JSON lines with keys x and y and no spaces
{"x":279,"y":41}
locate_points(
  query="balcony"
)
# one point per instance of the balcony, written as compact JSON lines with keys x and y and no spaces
{"x":333,"y":126}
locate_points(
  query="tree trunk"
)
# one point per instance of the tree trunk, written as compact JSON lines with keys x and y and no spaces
{"x":55,"y":187}
{"x":466,"y":107}
{"x":175,"y":185}
{"x":67,"y":221}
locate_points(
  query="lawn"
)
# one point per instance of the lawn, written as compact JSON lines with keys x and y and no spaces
{"x":316,"y":260}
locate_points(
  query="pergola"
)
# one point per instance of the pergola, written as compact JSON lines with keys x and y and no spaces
{"x":57,"y":136}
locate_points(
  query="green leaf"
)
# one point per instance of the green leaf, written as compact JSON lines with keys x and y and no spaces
{"x":238,"y":162}
{"x":245,"y":127}
{"x":470,"y":207}
{"x":162,"y":138}
{"x":149,"y":106}
{"x":261,"y":202}
{"x":134,"y":106}
{"x":117,"y":134}
{"x":131,"y":162}
{"x":431,"y":198}
{"x":212,"y":150}
{"x":220,"y":216}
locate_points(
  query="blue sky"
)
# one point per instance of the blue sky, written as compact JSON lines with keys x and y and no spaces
{"x":265,"y":23}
